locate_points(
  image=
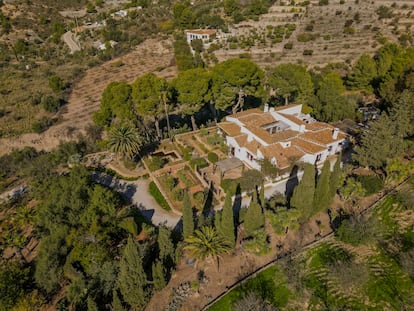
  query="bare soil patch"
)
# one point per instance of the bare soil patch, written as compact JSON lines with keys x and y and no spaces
{"x":151,"y":56}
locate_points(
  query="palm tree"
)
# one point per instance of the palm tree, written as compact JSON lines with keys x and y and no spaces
{"x":207,"y":243}
{"x":125,"y":141}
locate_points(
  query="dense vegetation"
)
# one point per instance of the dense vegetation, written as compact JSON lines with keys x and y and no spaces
{"x":96,"y":252}
{"x":367,"y":266}
{"x":88,"y":248}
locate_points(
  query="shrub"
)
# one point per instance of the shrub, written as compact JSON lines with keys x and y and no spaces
{"x":215,"y":139}
{"x":355,"y":231}
{"x":183,"y":177}
{"x":288,"y":46}
{"x":170,"y":182}
{"x":323,"y":2}
{"x":282,"y":219}
{"x":157,"y":163}
{"x":159,"y":198}
{"x":349,"y":30}
{"x":258,"y":244}
{"x":199,"y":162}
{"x":50,"y":103}
{"x":307,"y":52}
{"x":212,"y":157}
{"x":199,"y":198}
{"x":306,"y":37}
{"x":43,"y":124}
{"x":57,"y":84}
{"x":178,"y":194}
{"x":371,"y":183}
{"x":229,"y":185}
{"x":250,"y":179}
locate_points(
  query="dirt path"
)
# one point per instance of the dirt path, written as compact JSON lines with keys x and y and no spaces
{"x":150,"y":56}
{"x":70,"y":40}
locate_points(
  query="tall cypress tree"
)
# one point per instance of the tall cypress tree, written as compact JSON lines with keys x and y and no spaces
{"x":335,"y":179}
{"x":188,"y":219}
{"x":262,"y":195}
{"x":165,"y":246}
{"x":91,"y":304}
{"x":322,"y":197}
{"x":131,"y":277}
{"x":254,"y":218}
{"x":303,"y":194}
{"x":227,"y":221}
{"x":158,"y":275}
{"x":116,"y":302}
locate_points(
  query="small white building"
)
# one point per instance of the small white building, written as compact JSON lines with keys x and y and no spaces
{"x":120,"y":13}
{"x":282,"y":135}
{"x":205,"y":35}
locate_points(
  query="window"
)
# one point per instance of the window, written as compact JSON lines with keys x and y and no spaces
{"x":329,"y":148}
{"x":249,"y":156}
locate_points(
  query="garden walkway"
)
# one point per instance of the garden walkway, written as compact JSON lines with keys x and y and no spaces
{"x":137,"y":193}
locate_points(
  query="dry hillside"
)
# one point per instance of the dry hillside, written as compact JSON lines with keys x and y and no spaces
{"x":333,"y":33}
{"x":151,"y":56}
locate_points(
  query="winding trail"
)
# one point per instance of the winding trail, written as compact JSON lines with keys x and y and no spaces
{"x":70,"y":40}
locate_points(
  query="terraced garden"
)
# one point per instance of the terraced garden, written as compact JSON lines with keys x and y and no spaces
{"x":317,"y":35}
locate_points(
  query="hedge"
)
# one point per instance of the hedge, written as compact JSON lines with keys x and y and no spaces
{"x":156,"y":193}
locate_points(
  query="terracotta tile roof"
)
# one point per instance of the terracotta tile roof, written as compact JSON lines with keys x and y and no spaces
{"x":246,"y":113}
{"x":307,"y":146}
{"x":283,"y":135}
{"x":272,"y":138}
{"x":257,"y":119}
{"x":241,"y":140}
{"x":286,"y":107}
{"x":293,"y":118}
{"x":230,"y":128}
{"x":202,"y":31}
{"x":283,"y":156}
{"x":314,"y":126}
{"x":252,"y":146}
{"x":322,"y":137}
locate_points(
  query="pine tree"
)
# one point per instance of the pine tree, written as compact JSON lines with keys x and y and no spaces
{"x":303,"y":195}
{"x":254,"y":218}
{"x":227,"y":221}
{"x":322,"y":197}
{"x":165,"y":246}
{"x":188,"y":219}
{"x":335,"y":179}
{"x":158,"y":275}
{"x":131,"y":278}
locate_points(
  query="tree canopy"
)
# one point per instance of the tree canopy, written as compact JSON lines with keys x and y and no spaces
{"x":233,"y":80}
{"x":292,"y":82}
{"x":147,"y":96}
{"x":194,"y":91}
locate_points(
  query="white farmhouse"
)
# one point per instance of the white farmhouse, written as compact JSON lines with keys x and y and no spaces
{"x":281,"y":135}
{"x":205,"y":35}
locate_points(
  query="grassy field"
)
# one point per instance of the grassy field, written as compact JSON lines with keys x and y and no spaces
{"x":269,"y":284}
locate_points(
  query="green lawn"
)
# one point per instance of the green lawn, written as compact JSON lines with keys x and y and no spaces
{"x":269,"y":284}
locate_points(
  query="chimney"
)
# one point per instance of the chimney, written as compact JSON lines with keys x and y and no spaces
{"x":335,"y":133}
{"x":266,"y":107}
